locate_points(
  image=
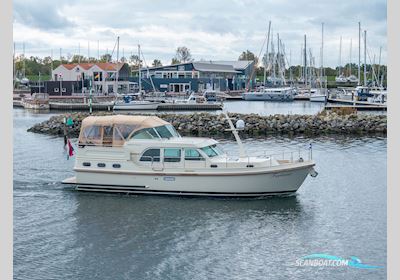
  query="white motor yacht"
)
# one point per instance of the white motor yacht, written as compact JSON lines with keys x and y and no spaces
{"x":144,"y":154}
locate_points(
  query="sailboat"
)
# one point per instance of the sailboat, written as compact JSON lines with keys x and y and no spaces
{"x":320,"y":94}
{"x":280,"y":91}
{"x":129,"y":103}
{"x":340,"y":78}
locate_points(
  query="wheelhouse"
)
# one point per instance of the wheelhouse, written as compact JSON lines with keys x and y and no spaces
{"x":179,"y":154}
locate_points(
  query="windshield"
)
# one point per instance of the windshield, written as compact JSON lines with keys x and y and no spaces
{"x":164,"y":131}
{"x":212,"y":151}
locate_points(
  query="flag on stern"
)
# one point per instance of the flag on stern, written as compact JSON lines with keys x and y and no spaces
{"x":70,"y":149}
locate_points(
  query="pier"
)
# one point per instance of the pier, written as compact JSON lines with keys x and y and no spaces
{"x":357,"y":107}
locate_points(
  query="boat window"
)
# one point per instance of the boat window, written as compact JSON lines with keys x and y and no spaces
{"x":166,"y":131}
{"x":92,"y":134}
{"x":122,"y":131}
{"x":172,"y":155}
{"x":193,"y":154}
{"x":146,"y":133}
{"x":212,"y":150}
{"x":172,"y":130}
{"x":218,"y":149}
{"x":151,"y":155}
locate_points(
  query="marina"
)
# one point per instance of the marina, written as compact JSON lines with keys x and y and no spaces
{"x":188,"y":141}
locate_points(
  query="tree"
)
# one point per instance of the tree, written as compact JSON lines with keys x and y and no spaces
{"x":175,"y":61}
{"x":183,"y":55}
{"x":78,"y":59}
{"x":105,"y":57}
{"x":156,"y":63}
{"x":248,"y":55}
{"x":135,"y":61}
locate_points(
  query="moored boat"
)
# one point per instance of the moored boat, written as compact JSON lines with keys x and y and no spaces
{"x":144,"y":154}
{"x":270,"y":94}
{"x":128,"y":104}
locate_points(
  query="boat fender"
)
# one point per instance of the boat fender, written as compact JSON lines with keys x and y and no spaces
{"x":313,"y":173}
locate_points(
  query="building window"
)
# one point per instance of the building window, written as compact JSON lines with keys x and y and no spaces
{"x":98,"y":76}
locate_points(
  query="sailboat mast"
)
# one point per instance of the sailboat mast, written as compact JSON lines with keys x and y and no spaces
{"x":340,"y":57}
{"x":322,"y":51}
{"x":351,"y":42}
{"x":305,"y":60}
{"x":290,"y":67}
{"x":365,"y":57}
{"x":51,"y":65}
{"x":359,"y":53}
{"x":267,"y":55}
{"x":117,"y":70}
{"x":379,"y":67}
{"x":140,"y":76}
{"x":278,"y":60}
{"x":23,"y":62}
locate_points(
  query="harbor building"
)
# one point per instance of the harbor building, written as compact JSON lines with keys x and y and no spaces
{"x":78,"y":78}
{"x":198,"y":76}
{"x":74,"y":78}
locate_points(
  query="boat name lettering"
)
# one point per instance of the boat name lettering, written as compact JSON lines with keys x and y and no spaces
{"x":169,"y":178}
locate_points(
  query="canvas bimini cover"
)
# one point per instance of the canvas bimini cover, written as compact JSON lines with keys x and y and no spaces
{"x":114,"y":130}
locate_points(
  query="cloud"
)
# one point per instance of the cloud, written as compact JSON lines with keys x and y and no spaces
{"x":45,"y":15}
{"x":210,"y":29}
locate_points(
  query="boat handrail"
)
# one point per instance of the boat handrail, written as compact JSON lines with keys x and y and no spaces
{"x":285,"y":157}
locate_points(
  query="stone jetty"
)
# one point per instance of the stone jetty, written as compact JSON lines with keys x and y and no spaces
{"x":206,"y":124}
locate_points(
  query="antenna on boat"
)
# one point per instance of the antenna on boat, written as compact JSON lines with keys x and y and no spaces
{"x":239,"y":126}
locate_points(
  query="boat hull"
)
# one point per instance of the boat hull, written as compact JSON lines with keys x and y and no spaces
{"x":262,"y":183}
{"x":137,"y":106}
{"x":318,"y":98}
{"x":268,"y":97}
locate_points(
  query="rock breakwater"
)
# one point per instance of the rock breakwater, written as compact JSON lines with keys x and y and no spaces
{"x":206,"y":124}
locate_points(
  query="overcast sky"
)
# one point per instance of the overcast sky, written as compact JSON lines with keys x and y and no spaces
{"x":212,"y":30}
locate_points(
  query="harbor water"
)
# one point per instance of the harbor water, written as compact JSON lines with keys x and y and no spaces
{"x":60,"y":233}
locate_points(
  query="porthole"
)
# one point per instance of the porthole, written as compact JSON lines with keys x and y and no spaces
{"x":116,"y":165}
{"x":101,"y":164}
{"x":213,"y":166}
{"x":86,"y":163}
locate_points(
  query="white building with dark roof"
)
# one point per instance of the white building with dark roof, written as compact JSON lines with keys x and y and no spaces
{"x":101,"y":76}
